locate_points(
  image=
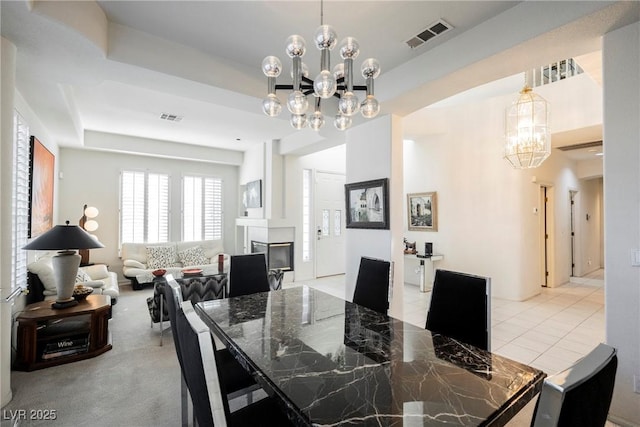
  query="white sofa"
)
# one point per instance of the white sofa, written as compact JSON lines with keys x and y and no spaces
{"x":141,"y":259}
{"x":96,"y":276}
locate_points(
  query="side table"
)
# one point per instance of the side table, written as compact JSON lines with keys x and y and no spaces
{"x":424,"y":272}
{"x":49,"y":337}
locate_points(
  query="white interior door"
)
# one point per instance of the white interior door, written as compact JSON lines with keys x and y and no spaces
{"x":330,"y":220}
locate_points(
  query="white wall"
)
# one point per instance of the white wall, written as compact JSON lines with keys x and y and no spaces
{"x":375,"y":151}
{"x":93,"y":178}
{"x":7,"y":90}
{"x":486,"y":220}
{"x":253,"y":168}
{"x":621,"y":59}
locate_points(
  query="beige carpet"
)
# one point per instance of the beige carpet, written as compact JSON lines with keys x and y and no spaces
{"x":137,"y":383}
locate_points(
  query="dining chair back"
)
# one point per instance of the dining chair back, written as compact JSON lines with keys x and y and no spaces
{"x":200,"y":369}
{"x":248,"y":274}
{"x":372,"y":284}
{"x":173,"y":296}
{"x":580,"y":395}
{"x":460,"y":308}
{"x":204,"y":377}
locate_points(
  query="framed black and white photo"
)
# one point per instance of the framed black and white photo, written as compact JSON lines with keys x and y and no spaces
{"x":422,"y":211}
{"x":367,"y":204}
{"x":253,"y":193}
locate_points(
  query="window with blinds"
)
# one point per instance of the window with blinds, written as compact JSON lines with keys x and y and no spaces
{"x":201,"y":208}
{"x":20,"y":202}
{"x":144,"y":207}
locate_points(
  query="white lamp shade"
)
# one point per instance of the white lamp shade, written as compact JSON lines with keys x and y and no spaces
{"x":91,"y":212}
{"x":91,"y":225}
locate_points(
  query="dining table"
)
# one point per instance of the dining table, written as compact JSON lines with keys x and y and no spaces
{"x":331,"y":362}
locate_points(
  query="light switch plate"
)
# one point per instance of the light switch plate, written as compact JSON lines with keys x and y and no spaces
{"x":636,"y":383}
{"x":635,"y":258}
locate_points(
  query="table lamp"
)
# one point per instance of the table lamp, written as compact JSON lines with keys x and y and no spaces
{"x":66,"y":239}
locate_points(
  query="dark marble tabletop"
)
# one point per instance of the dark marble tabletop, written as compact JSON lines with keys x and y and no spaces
{"x":332,"y":362}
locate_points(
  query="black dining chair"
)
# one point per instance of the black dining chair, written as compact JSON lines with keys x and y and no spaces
{"x":580,"y":395}
{"x":173,"y":296}
{"x":372,"y":284}
{"x":248,"y":274}
{"x":237,"y":380}
{"x":202,"y":373}
{"x":460,"y":308}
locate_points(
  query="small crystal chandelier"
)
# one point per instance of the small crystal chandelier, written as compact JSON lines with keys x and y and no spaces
{"x":338,"y":83}
{"x":528,"y":138}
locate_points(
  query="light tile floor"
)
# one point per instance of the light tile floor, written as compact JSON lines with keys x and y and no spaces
{"x":550,"y":331}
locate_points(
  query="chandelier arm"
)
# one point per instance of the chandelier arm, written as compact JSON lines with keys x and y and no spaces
{"x":297,"y":72}
{"x":284,"y":87}
{"x":369,"y":86}
{"x":348,"y":74}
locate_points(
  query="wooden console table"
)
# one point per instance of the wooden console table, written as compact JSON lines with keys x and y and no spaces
{"x":49,"y":337}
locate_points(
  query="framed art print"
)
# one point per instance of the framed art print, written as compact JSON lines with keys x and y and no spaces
{"x":422,"y":211}
{"x":367,"y":204}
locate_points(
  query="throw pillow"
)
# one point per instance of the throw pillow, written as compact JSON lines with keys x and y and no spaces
{"x":193,"y":256}
{"x":82,"y":277}
{"x":160,"y":256}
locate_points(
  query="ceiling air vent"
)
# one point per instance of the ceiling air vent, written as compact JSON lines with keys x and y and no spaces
{"x":435,"y":29}
{"x":170,"y":117}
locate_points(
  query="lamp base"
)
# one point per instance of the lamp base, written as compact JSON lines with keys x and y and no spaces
{"x":64,"y":304}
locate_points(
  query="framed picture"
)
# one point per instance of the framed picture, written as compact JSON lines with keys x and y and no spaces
{"x":422,"y":211}
{"x":41,"y":178}
{"x":254,"y":194}
{"x":367,"y":204}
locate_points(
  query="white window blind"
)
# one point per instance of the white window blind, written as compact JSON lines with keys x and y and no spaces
{"x":20,"y":202}
{"x":144,"y":207}
{"x":201,"y":208}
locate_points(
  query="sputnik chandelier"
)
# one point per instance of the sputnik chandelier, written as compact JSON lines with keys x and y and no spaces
{"x":327,"y":84}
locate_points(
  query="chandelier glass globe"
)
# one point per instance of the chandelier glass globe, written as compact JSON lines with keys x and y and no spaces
{"x":349,"y":104}
{"x":298,"y":121}
{"x":370,"y":68}
{"x":316,"y":121}
{"x":342,"y":122}
{"x":325,"y":37}
{"x":271,"y":66}
{"x":271,"y":105}
{"x":297,"y":102}
{"x":370,"y":107}
{"x":325,"y":84}
{"x":295,"y":46}
{"x":349,"y":48}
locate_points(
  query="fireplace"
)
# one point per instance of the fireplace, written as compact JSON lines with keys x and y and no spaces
{"x":279,"y":255}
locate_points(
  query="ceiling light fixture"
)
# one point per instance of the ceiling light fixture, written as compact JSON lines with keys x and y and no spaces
{"x":528,"y":137}
{"x":338,"y":83}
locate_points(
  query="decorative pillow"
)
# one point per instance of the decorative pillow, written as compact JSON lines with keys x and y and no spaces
{"x":160,"y":256}
{"x":192,"y":256}
{"x":44,"y":270}
{"x":82,"y":277}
